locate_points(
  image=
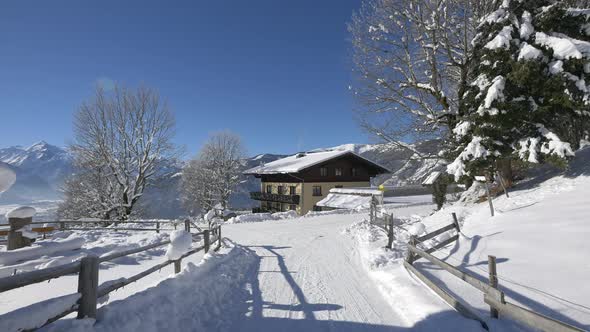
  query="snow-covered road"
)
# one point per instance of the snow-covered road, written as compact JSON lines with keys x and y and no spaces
{"x":310,"y":278}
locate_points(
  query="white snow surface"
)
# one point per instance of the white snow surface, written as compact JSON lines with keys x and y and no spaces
{"x":40,"y":249}
{"x":529,"y":52}
{"x":204,"y":297}
{"x":36,"y":315}
{"x":502,"y":39}
{"x":258,"y":217}
{"x":21,"y":212}
{"x":540,"y":238}
{"x":180,"y":244}
{"x":345,"y":201}
{"x":563,"y":48}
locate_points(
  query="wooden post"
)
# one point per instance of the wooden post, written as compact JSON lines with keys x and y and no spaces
{"x":218,"y":237}
{"x":158,"y":227}
{"x":174,"y":225}
{"x":88,"y":287}
{"x":16,"y":240}
{"x":187,"y":226}
{"x":456,"y":222}
{"x":410,"y":259}
{"x":390,"y":233}
{"x":493,"y":277}
{"x":62,"y":226}
{"x":489,"y":198}
{"x":177,"y":266}
{"x":502,"y":184}
{"x":206,"y":236}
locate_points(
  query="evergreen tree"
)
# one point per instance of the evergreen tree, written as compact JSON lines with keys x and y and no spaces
{"x":527,"y":97}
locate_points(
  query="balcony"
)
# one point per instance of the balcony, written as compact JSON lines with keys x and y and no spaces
{"x":289,"y":199}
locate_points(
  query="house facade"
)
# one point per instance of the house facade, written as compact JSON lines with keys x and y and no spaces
{"x":298,"y":182}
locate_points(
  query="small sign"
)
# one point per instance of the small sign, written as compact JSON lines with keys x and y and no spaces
{"x":481,"y":178}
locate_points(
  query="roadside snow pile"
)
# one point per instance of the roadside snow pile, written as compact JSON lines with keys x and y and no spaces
{"x":258,"y":217}
{"x":35,"y":315}
{"x":180,"y":242}
{"x":540,"y":238}
{"x":40,"y":249}
{"x":21,"y":212}
{"x":403,"y":292}
{"x":203,"y":297}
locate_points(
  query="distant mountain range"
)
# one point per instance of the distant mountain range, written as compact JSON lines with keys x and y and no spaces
{"x":41,"y":169}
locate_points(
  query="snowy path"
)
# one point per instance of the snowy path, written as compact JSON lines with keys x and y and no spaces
{"x":310,"y":277}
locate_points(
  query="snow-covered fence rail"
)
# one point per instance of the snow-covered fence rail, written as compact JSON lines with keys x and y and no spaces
{"x":492,"y":295}
{"x":85,"y":301}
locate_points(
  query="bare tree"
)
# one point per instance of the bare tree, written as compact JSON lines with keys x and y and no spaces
{"x":412,"y":62}
{"x":213,"y":175}
{"x":120,"y":138}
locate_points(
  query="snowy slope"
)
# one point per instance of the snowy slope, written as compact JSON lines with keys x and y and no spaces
{"x":540,"y":236}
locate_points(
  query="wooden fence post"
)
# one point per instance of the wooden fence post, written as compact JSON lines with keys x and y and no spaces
{"x":456,"y":222}
{"x":177,"y":266}
{"x":493,"y":281}
{"x":410,"y":258}
{"x":206,"y":236}
{"x":187,"y":226}
{"x":489,"y":198}
{"x":218,"y":237}
{"x":390,"y":233}
{"x":158,"y":227}
{"x":88,"y":287}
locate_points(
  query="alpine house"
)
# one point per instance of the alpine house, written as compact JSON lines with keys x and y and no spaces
{"x":299,"y":181}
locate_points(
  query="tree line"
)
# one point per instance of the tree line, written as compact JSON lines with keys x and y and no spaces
{"x":123,"y":142}
{"x":500,"y":83}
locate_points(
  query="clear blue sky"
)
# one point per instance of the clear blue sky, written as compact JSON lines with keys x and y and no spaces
{"x":275,"y":72}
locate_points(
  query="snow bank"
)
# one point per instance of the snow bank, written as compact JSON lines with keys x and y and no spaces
{"x":35,"y":315}
{"x":21,"y":212}
{"x":42,"y":248}
{"x":180,"y":242}
{"x":7,"y":177}
{"x":403,"y":292}
{"x":203,"y":297}
{"x":258,"y":217}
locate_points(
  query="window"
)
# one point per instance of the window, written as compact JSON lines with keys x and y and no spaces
{"x":323,"y":171}
{"x":268,"y":189}
{"x":280,"y":190}
{"x":317,"y":190}
{"x":292,"y":207}
{"x":353,"y":171}
{"x":338,"y":171}
{"x":292,"y":190}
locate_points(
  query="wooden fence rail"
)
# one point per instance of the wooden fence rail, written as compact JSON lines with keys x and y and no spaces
{"x":491,"y":294}
{"x":88,"y":271}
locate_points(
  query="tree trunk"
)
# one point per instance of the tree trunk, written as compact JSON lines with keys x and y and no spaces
{"x":504,"y":167}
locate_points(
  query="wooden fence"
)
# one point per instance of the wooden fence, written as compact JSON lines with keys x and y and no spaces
{"x":88,"y":268}
{"x":491,"y":294}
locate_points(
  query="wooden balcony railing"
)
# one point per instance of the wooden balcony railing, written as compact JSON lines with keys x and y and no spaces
{"x":260,"y":196}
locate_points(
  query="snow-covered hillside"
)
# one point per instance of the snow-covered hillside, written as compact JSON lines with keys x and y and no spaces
{"x":40,"y":168}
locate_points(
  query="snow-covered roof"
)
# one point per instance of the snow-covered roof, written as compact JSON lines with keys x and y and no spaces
{"x":345,"y":201}
{"x":431,"y":178}
{"x":301,"y":161}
